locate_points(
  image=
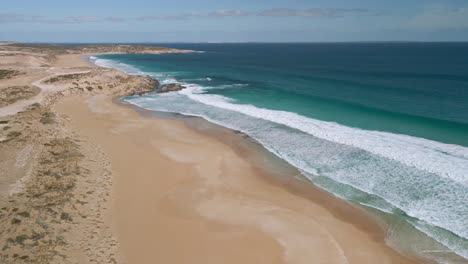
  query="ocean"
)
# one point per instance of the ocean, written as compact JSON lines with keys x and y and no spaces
{"x":382,"y":125}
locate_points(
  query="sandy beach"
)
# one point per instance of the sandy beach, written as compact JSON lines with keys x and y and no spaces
{"x":143,"y":189}
{"x":181,"y":196}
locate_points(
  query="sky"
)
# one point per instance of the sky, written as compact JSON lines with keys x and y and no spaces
{"x":233,"y":21}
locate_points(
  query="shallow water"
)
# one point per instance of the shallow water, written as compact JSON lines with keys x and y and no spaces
{"x":381,"y":125}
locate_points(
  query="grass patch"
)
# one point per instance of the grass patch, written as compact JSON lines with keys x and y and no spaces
{"x":65,"y":216}
{"x":5,"y":74}
{"x":65,"y":77}
{"x":13,"y":94}
{"x":48,"y":118}
{"x":35,"y":106}
{"x":13,"y":135}
{"x":20,"y":239}
{"x":37,"y":236}
{"x":24,"y":214}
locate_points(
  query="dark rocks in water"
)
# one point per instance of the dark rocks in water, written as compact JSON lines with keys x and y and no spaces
{"x":149,"y":86}
{"x":172,"y":87}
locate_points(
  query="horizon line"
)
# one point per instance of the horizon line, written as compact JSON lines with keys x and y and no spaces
{"x":237,"y":42}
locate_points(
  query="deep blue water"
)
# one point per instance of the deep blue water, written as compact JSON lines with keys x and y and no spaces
{"x":384,"y":125}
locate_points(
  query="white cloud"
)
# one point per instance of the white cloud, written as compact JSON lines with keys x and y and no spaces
{"x":216,"y":13}
{"x":20,"y":18}
{"x":311,"y":12}
{"x":435,"y":17}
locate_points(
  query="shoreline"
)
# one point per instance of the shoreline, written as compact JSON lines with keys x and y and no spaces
{"x":365,"y":218}
{"x":267,"y":165}
{"x":362,"y":226}
{"x":204,"y":194}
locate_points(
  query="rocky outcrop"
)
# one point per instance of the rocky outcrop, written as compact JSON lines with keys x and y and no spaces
{"x":147,"y":84}
{"x":172,"y":87}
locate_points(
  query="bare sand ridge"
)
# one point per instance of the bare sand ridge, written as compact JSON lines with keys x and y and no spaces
{"x":86,"y":180}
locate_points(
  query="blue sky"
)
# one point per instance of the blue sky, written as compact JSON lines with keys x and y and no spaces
{"x":233,"y":21}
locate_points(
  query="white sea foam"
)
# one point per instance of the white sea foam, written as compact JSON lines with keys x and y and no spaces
{"x":197,"y":79}
{"x":445,"y":209}
{"x":425,"y":179}
{"x":446,"y":160}
{"x":168,"y":80}
{"x":104,"y":63}
{"x":435,"y":199}
{"x":117,"y":65}
{"x":399,"y":185}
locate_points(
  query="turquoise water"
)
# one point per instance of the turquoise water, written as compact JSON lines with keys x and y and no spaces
{"x":383,"y":125}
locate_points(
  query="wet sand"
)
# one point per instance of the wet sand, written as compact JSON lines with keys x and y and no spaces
{"x":182,"y":195}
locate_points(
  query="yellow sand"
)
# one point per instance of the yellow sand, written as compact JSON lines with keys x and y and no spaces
{"x":180,"y":196}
